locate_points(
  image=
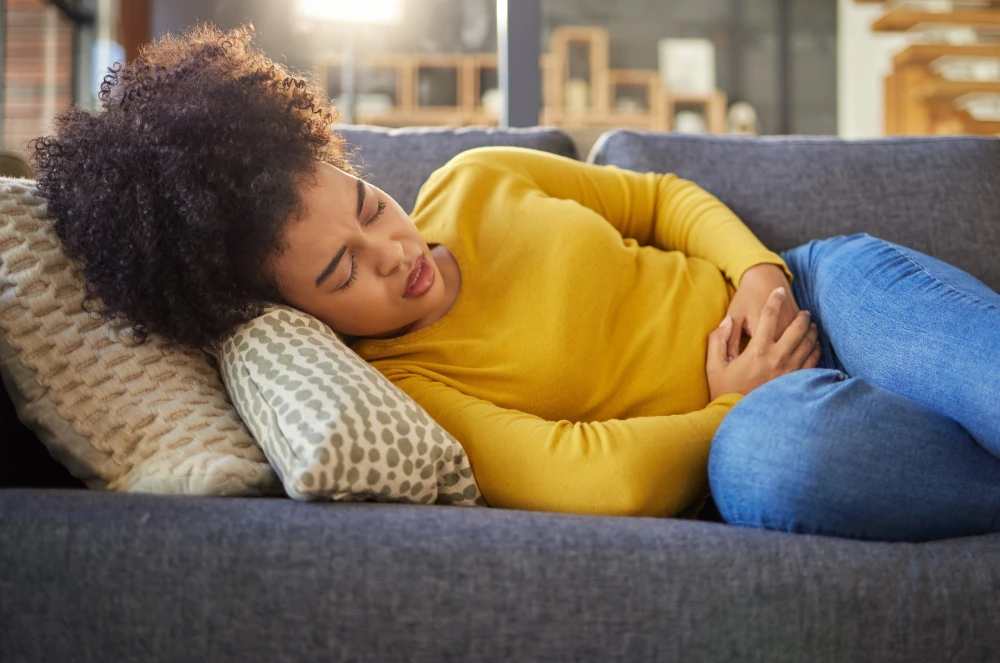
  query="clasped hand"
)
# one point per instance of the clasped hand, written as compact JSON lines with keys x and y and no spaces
{"x":782,"y":339}
{"x":751,"y":294}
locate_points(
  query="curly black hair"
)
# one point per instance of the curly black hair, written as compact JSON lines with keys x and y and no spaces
{"x":174,"y":193}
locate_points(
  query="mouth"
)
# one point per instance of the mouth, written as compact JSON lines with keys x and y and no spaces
{"x":414,"y":273}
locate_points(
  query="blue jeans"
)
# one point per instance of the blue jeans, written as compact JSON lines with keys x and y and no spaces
{"x":895,"y":436}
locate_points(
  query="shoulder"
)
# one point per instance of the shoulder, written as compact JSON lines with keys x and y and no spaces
{"x":474,"y":169}
{"x":485,"y":172}
{"x":494,"y":164}
{"x":505,"y":157}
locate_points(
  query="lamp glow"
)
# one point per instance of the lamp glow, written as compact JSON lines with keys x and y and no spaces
{"x":370,"y":11}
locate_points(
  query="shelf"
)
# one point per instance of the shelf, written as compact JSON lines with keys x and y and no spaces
{"x":595,"y":111}
{"x":427,"y":116}
{"x":940,"y":89}
{"x":900,"y":19}
{"x":923,"y":54}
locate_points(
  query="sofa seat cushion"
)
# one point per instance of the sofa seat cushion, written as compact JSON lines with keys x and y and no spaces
{"x":261,"y":578}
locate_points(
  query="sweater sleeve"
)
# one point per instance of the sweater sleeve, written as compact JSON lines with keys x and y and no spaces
{"x":641,"y":466}
{"x":655,"y":209}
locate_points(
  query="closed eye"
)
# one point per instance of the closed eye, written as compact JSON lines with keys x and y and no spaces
{"x":354,"y":263}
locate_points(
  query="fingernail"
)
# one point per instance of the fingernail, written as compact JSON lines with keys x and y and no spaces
{"x":781,"y":291}
{"x":725,"y":321}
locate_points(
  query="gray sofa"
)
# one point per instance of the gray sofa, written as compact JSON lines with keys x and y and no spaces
{"x":93,"y":576}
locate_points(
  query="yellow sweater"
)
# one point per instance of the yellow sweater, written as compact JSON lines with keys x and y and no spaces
{"x":571,"y":367}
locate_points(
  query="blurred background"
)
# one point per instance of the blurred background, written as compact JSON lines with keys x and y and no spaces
{"x":846,"y":68}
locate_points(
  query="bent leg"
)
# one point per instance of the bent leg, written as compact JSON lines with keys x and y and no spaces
{"x":816,"y":451}
{"x":907,"y":322}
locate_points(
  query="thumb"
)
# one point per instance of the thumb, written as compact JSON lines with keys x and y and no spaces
{"x":717,"y":342}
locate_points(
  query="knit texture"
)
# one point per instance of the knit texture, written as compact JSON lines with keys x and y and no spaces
{"x":123,"y":417}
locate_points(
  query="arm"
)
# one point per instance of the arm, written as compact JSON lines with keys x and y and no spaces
{"x":660,"y":210}
{"x":643,"y":466}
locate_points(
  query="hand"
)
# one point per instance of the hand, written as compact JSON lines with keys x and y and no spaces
{"x":752,"y":292}
{"x":764,"y":358}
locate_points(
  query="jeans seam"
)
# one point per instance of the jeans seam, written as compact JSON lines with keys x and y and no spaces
{"x":923,"y":269}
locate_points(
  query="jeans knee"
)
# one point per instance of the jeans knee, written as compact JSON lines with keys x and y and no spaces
{"x":767,"y":460}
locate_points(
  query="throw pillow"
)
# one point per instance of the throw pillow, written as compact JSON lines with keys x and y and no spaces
{"x":119,"y":416}
{"x":332,"y":426}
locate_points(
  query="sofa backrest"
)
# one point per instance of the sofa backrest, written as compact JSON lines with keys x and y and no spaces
{"x":399,"y":161}
{"x":936,"y":194}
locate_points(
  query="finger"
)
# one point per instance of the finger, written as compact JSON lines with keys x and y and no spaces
{"x":807,"y":347}
{"x":717,"y":344}
{"x":789,"y":309}
{"x":813,"y":360}
{"x":793,"y":337}
{"x":768,"y":321}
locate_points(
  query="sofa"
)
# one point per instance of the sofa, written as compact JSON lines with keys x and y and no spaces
{"x":90,"y":575}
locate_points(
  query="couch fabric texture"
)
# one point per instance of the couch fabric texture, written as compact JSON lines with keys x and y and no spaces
{"x":94,"y":576}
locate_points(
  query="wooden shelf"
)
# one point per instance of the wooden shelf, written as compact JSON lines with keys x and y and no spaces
{"x":918,"y":99}
{"x":599,"y":113}
{"x":900,"y":19}
{"x":962,"y":122}
{"x":427,"y":116}
{"x":923,"y":54}
{"x":406,"y":66}
{"x":940,"y":89}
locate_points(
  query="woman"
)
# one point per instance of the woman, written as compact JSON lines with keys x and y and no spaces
{"x":561,"y":320}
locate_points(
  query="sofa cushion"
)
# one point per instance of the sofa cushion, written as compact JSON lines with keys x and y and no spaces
{"x":399,"y":161}
{"x":93,"y":576}
{"x":935,"y":194}
{"x":331,"y":425}
{"x":119,"y":416}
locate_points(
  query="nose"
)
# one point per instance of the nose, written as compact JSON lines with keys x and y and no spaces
{"x":390,"y":257}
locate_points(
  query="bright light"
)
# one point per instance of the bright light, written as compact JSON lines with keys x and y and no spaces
{"x":368,"y":11}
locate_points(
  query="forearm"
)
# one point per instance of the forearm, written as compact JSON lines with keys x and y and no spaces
{"x":694,"y":221}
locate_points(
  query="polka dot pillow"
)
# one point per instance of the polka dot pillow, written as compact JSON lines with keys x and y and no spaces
{"x":331,"y":425}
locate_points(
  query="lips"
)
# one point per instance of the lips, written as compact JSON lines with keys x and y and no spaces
{"x":414,"y":273}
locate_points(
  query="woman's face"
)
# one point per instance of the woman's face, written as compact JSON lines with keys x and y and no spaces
{"x":348,"y":259}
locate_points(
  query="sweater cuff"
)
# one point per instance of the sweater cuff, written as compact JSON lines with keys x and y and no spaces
{"x":727,"y":400}
{"x":767,"y":258}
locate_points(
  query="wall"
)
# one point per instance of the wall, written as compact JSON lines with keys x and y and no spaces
{"x":863,"y":60}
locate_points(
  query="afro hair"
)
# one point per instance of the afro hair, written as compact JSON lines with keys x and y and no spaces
{"x":174,"y":193}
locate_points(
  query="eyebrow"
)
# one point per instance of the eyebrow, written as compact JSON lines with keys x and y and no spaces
{"x":332,"y":267}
